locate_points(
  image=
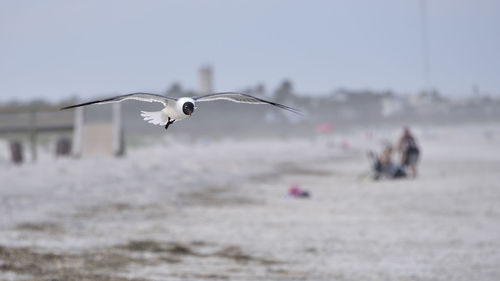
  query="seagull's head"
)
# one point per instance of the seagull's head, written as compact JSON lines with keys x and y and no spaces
{"x":186,"y":105}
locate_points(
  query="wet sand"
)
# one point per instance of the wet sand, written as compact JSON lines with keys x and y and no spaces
{"x":218,"y":210}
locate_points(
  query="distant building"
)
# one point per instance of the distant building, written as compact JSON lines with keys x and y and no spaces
{"x":392,"y":106}
{"x":205,"y":80}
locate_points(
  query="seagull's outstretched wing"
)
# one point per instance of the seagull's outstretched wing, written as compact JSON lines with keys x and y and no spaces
{"x":135,"y":96}
{"x":242,"y":98}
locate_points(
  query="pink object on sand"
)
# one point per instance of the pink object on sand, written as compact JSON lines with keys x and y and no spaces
{"x":294,"y":190}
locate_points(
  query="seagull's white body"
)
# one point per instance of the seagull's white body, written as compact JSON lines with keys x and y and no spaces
{"x":178,"y":109}
{"x":172,"y":111}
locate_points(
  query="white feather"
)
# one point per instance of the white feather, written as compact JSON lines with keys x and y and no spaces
{"x":156,"y":117}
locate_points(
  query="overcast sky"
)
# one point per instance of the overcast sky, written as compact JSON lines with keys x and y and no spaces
{"x":55,"y":49}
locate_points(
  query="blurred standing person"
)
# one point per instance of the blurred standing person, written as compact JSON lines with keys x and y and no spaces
{"x":409,"y":151}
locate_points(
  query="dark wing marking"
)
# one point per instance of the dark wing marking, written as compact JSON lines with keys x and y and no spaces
{"x":242,"y":98}
{"x":135,"y":96}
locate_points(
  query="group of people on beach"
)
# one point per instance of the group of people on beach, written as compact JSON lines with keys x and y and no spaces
{"x":409,"y":152}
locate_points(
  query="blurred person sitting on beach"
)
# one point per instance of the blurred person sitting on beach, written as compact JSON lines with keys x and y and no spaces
{"x":409,"y":151}
{"x":384,"y":167}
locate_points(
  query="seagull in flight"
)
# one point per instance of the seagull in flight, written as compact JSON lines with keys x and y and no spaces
{"x":181,"y":108}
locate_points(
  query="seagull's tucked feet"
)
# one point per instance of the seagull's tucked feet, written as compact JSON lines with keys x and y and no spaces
{"x":168,"y":123}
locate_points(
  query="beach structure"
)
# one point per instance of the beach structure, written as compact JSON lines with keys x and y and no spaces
{"x":26,"y":124}
{"x":68,"y":131}
{"x":104,"y":137}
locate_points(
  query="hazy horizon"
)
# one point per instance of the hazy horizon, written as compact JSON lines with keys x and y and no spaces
{"x":61,"y":49}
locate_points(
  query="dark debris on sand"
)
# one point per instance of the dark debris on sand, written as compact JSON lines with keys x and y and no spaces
{"x":107,"y":263}
{"x":63,"y":266}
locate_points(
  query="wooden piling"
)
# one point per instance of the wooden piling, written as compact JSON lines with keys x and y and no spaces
{"x":16,"y":152}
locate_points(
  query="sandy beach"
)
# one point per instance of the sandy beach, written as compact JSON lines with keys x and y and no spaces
{"x":219,"y":210}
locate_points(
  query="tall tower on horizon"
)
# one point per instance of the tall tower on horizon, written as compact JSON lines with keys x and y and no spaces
{"x":425,"y":48}
{"x":205,"y":77}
